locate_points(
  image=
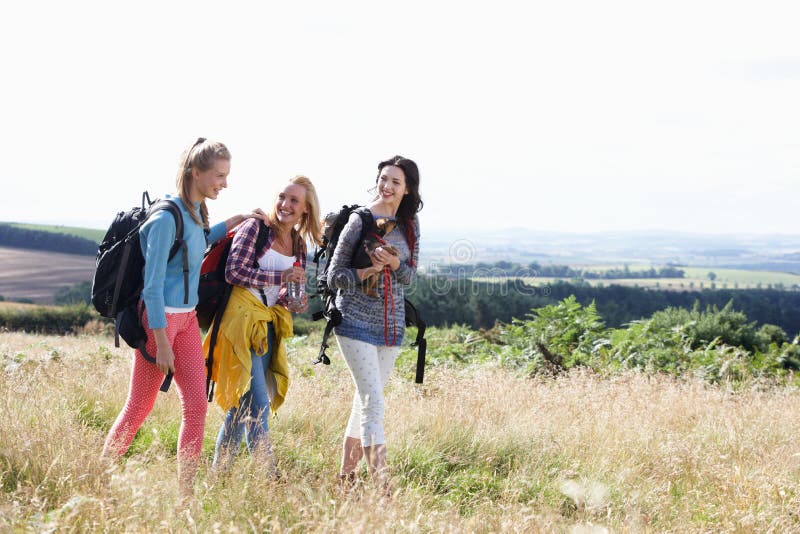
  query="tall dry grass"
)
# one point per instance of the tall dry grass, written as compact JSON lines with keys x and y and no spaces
{"x":473,"y":450}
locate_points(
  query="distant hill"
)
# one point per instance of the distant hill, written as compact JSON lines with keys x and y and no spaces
{"x":525,"y":246}
{"x":50,"y":238}
{"x":37,"y":261}
{"x":775,"y":252}
{"x":87,"y":233}
{"x":697,"y":254}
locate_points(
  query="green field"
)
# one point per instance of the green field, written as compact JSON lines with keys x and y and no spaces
{"x":695,"y":278}
{"x":742,"y":277}
{"x":86,"y":233}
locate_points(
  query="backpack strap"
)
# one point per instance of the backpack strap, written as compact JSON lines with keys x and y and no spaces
{"x":367,"y":221}
{"x":226,"y":295}
{"x":422,"y":349}
{"x":261,"y":241}
{"x":334,"y":321}
{"x":413,"y":319}
{"x":322,"y":357}
{"x":261,"y":238}
{"x":126,"y":252}
{"x":180,"y":243}
{"x":143,"y":350}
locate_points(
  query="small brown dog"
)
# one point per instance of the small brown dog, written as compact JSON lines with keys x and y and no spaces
{"x":361,"y":258}
{"x":362,"y":253}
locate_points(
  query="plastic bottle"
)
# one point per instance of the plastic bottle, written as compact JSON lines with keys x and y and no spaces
{"x":295,"y":293}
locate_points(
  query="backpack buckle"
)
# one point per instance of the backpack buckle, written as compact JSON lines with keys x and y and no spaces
{"x":322,"y":357}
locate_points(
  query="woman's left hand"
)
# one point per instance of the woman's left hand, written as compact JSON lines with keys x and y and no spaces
{"x":293,"y":274}
{"x":303,"y":304}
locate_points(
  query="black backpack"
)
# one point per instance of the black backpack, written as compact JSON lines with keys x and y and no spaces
{"x":214,"y":292}
{"x":118,"y":279}
{"x":334,"y":224}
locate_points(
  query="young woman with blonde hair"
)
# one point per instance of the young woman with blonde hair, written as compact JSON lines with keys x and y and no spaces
{"x":173,"y":334}
{"x":250,"y":367}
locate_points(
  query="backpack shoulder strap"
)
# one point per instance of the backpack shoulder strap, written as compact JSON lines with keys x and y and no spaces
{"x":226,"y":295}
{"x":263,"y":235}
{"x":172,"y":207}
{"x":261,"y":240}
{"x":180,"y":243}
{"x":367,"y":220}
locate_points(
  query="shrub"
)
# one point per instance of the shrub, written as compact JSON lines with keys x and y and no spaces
{"x":650,"y":346}
{"x":557,"y":336}
{"x":76,"y":294}
{"x":715,"y":344}
{"x":47,"y":319}
{"x":702,"y":327}
{"x":769,"y":334}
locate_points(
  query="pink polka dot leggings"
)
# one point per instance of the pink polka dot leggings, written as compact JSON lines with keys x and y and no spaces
{"x":183,"y":333}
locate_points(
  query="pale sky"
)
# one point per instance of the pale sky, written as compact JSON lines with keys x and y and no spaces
{"x":558,"y":116}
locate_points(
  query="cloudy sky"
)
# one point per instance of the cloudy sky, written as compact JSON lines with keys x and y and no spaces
{"x":560,"y":116}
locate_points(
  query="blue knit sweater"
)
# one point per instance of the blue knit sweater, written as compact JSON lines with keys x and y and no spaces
{"x":363,"y":315}
{"x":163,"y":281}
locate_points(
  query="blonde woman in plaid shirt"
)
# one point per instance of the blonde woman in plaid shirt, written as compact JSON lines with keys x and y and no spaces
{"x":259,"y":295}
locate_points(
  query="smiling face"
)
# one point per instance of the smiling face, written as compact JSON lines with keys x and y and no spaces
{"x":208,"y":183}
{"x":391,"y":185}
{"x":290,"y":206}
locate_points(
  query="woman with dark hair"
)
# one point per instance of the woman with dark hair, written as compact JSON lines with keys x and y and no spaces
{"x":169,"y":318}
{"x":372,"y":327}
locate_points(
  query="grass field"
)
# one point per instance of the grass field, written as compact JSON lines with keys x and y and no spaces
{"x":474,"y":449}
{"x":87,"y":233}
{"x":742,"y":277}
{"x":695,"y":278}
{"x":37,"y":275}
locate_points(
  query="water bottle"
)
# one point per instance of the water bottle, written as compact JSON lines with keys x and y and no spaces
{"x":295,"y":293}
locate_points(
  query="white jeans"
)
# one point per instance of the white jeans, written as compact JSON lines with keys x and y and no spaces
{"x":370,"y":366}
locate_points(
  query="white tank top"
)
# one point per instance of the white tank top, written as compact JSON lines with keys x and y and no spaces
{"x":272,"y":261}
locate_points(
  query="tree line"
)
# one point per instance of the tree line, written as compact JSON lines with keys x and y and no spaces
{"x":505,"y":269}
{"x":12,"y":236}
{"x":443,"y":301}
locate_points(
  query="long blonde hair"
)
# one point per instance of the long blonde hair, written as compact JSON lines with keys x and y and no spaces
{"x":201,"y":156}
{"x":309,"y":228}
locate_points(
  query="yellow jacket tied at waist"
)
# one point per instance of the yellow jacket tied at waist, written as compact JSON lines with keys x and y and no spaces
{"x":244,"y":325}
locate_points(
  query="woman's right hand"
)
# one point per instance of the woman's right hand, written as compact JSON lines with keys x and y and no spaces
{"x":377,"y":266}
{"x":165,"y":358}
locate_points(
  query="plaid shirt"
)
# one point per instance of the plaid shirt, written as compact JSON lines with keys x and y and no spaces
{"x":240,"y":268}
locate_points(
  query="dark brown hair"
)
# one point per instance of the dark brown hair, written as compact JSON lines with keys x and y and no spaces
{"x":412,"y":202}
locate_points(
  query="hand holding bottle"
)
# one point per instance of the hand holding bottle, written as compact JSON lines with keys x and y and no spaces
{"x":296,"y":291}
